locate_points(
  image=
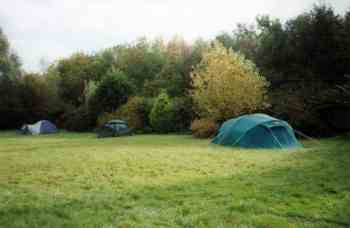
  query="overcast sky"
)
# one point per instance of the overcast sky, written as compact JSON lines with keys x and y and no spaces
{"x":50,"y":29}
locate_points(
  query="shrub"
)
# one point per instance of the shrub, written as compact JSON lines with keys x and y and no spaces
{"x":162,"y":115}
{"x":146,"y":109}
{"x":183,"y":111}
{"x":225,"y":84}
{"x":204,"y":128}
{"x":135,"y":112}
{"x":132,"y":112}
{"x":105,"y":117}
{"x":79,"y":120}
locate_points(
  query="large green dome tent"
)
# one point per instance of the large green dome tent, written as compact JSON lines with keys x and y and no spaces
{"x":257,"y":131}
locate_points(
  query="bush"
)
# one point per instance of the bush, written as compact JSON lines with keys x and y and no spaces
{"x":79,"y":120}
{"x":135,"y":112}
{"x":305,"y":111}
{"x":225,"y":84}
{"x":132,"y":112}
{"x":183,"y":111}
{"x":162,"y":117}
{"x":204,"y":128}
{"x":105,"y":117}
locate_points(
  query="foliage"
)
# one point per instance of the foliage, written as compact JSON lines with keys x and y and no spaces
{"x":244,"y":39}
{"x":174,"y":76}
{"x":72,"y":76}
{"x":79,"y":120}
{"x":304,"y":59}
{"x":322,"y":51}
{"x":272,"y":53}
{"x":10,"y":110}
{"x":26,"y":100}
{"x":227,"y":85}
{"x":170,"y":78}
{"x":35,"y":97}
{"x":95,"y":81}
{"x":9,"y":61}
{"x":162,"y":115}
{"x":140,"y":61}
{"x":134,"y":112}
{"x":204,"y":128}
{"x":137,"y":112}
{"x":113,"y":91}
{"x":105,"y":117}
{"x":184,"y":113}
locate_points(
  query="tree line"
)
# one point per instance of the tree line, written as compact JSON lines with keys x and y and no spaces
{"x":296,"y":70}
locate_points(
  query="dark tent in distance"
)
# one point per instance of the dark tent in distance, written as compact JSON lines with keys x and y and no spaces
{"x":114,"y":128}
{"x":40,"y":127}
{"x":257,"y":131}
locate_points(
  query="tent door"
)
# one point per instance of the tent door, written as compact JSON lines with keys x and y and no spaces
{"x":281,"y":135}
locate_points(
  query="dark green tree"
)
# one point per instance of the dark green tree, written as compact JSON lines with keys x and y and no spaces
{"x":174,"y":76}
{"x":271,"y":56}
{"x":244,"y":39}
{"x":73,"y":76}
{"x":113,"y":91}
{"x":140,"y":61}
{"x":10,"y":108}
{"x":315,"y":45}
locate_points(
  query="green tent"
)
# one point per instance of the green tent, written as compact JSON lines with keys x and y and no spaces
{"x":114,"y":128}
{"x":257,"y":131}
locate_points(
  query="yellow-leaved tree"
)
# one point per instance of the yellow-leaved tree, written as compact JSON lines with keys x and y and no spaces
{"x":226,"y":84}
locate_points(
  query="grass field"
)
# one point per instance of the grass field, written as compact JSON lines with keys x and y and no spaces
{"x":76,"y":180}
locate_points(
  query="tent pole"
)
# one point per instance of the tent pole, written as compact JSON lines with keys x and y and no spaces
{"x":307,"y":137}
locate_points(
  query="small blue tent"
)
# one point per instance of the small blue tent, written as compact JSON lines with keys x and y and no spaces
{"x":40,"y":127}
{"x":257,"y":131}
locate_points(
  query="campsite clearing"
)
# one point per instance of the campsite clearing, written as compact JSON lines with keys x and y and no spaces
{"x":77,"y":180}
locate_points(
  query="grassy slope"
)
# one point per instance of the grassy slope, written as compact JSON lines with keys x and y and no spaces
{"x":76,"y":180}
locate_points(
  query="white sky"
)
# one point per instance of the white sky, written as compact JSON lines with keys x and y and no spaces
{"x":51,"y":29}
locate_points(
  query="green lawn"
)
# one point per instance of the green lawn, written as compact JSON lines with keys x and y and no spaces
{"x":76,"y":180}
